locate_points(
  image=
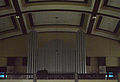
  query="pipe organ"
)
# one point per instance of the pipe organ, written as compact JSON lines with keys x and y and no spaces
{"x":57,"y":56}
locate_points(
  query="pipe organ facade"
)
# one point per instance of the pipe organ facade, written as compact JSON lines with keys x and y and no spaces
{"x":57,"y":56}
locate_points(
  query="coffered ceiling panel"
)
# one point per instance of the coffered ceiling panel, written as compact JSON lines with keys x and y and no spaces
{"x":2,"y":3}
{"x":110,"y":7}
{"x":113,"y":3}
{"x":6,"y":23}
{"x":37,"y":5}
{"x":9,"y":26}
{"x":56,"y":18}
{"x":97,"y":17}
{"x":6,"y":8}
{"x":108,"y":24}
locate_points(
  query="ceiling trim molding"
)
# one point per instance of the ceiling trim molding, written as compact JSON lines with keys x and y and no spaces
{"x":52,"y":10}
{"x":104,"y":37}
{"x":19,"y":13}
{"x":6,"y":4}
{"x":99,"y":22}
{"x":10,"y":37}
{"x":38,"y":32}
{"x":106,"y":5}
{"x":33,"y":25}
{"x":94,"y":13}
{"x":57,"y":32}
{"x":28,"y":2}
{"x":108,"y":15}
{"x":10,"y":14}
{"x":61,"y":32}
{"x":15,"y":26}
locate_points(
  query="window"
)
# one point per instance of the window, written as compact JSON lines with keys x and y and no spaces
{"x":3,"y":76}
{"x":114,"y":70}
{"x":88,"y":61}
{"x":24,"y":61}
{"x":3,"y":71}
{"x":11,"y":61}
{"x":101,"y":61}
{"x":109,"y":74}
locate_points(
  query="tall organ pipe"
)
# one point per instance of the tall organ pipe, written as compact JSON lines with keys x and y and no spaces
{"x":32,"y":53}
{"x":80,"y":58}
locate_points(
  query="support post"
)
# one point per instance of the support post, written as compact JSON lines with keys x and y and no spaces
{"x":76,"y":77}
{"x":34,"y":77}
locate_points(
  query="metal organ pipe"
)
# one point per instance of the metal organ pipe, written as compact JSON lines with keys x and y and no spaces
{"x":80,"y":53}
{"x":32,"y":53}
{"x":57,"y":56}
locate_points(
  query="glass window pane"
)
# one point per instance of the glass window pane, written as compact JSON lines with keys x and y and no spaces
{"x":110,"y":72}
{"x":111,"y":75}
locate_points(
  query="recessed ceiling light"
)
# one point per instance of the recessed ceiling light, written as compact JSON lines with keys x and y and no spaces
{"x":17,"y":17}
{"x":94,"y":17}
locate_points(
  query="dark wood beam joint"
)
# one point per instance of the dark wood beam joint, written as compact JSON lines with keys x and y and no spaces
{"x":19,"y":13}
{"x":93,"y":16}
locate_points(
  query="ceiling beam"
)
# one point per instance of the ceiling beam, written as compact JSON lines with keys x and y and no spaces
{"x":94,"y":13}
{"x":19,"y":14}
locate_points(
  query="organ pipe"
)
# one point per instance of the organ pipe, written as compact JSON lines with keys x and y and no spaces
{"x":57,"y":56}
{"x":32,"y":53}
{"x":80,"y":56}
{"x":61,"y":61}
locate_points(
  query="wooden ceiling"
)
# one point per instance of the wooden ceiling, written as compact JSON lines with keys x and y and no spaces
{"x":94,"y":17}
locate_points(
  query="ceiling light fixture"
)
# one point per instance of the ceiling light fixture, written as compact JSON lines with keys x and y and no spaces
{"x":17,"y":17}
{"x":94,"y":17}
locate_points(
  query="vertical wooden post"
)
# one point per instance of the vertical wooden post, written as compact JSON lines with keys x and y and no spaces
{"x":76,"y":77}
{"x":34,"y":77}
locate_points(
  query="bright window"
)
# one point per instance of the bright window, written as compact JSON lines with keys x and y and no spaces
{"x":2,"y":76}
{"x":109,"y":74}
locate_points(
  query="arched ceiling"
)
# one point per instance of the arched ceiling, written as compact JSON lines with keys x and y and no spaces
{"x":95,"y":17}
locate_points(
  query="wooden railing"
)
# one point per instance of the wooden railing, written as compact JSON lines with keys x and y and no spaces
{"x":56,"y":76}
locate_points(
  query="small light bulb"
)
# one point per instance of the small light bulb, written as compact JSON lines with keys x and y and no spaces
{"x":17,"y":17}
{"x":94,"y":17}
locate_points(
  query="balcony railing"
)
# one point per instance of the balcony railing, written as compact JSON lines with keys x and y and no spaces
{"x":55,"y":76}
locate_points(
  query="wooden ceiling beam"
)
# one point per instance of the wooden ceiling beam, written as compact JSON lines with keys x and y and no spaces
{"x":19,"y":14}
{"x":94,"y":13}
